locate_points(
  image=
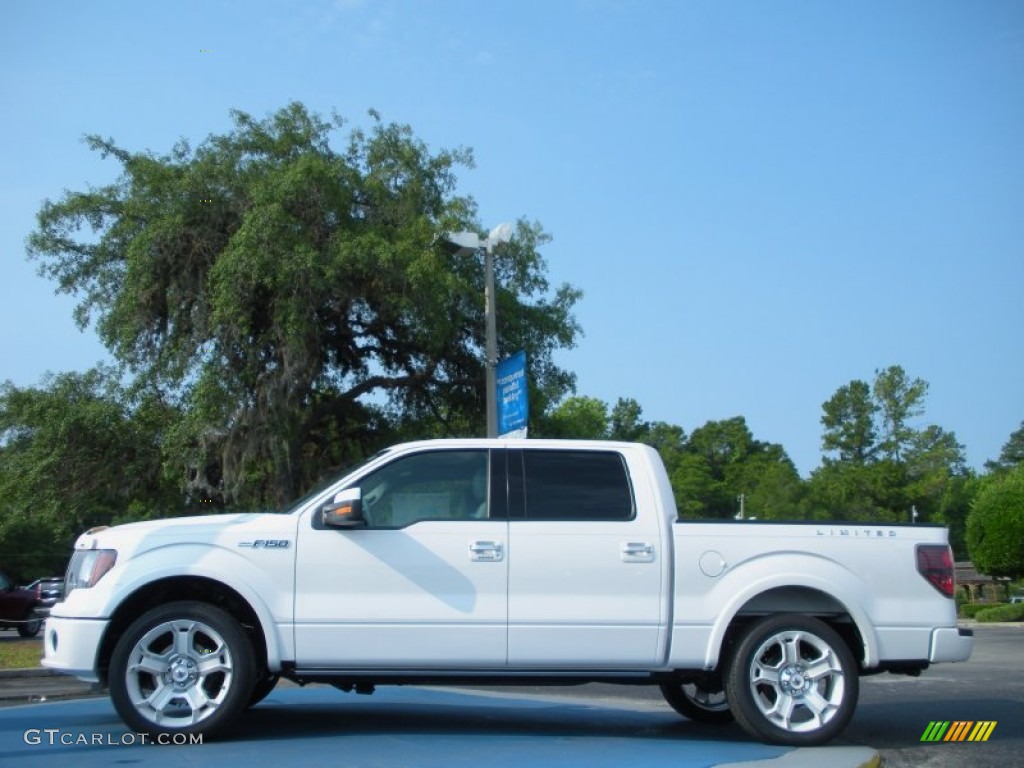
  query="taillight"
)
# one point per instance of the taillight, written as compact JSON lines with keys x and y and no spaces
{"x":935,"y":563}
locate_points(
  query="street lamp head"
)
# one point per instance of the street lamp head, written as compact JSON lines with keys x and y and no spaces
{"x":469,"y":241}
{"x":500,"y":234}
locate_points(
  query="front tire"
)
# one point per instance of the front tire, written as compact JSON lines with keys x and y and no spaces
{"x":263,"y":688}
{"x":698,"y":702}
{"x":792,"y":680}
{"x":186,"y":667}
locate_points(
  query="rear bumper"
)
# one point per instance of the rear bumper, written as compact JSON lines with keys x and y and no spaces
{"x":951,"y":644}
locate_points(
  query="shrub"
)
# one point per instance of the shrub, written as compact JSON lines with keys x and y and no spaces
{"x":970,"y":610}
{"x":1005,"y":612}
{"x":995,"y":526}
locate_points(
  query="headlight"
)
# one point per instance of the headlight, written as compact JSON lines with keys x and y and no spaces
{"x":87,"y":567}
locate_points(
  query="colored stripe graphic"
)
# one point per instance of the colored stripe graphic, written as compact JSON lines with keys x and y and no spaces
{"x":959,"y":730}
{"x":935,"y":731}
{"x":982,"y":730}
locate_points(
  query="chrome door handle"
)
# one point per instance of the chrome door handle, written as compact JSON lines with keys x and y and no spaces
{"x":637,"y":552}
{"x":486,"y":551}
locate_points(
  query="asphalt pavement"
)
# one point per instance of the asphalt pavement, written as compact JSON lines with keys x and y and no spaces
{"x":46,"y":717}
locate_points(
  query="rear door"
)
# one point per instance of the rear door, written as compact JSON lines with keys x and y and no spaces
{"x":585,"y":570}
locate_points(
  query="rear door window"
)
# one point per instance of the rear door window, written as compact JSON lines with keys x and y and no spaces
{"x":576,"y":485}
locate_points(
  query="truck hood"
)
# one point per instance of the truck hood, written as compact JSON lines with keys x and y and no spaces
{"x":199,"y":529}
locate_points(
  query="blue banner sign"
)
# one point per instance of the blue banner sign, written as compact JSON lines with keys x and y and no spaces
{"x":513,"y":404}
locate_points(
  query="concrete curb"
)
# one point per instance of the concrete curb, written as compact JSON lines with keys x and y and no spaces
{"x":815,"y":757}
{"x":27,"y":672}
{"x":25,"y":700}
{"x":37,"y":684}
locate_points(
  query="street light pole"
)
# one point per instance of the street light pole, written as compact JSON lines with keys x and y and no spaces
{"x":471,"y":241}
{"x":491,"y":310}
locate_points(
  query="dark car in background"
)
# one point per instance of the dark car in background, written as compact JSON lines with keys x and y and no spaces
{"x":50,"y":590}
{"x":20,"y":608}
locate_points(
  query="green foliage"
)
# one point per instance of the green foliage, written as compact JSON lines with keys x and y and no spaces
{"x":970,"y":610}
{"x":718,"y":450}
{"x":1012,"y":454}
{"x":849,"y":423}
{"x":708,"y":471}
{"x":31,"y":546}
{"x":1007,"y":612}
{"x":75,"y":453}
{"x":880,"y":468}
{"x":296,"y":302}
{"x":857,"y":492}
{"x":668,"y":439}
{"x":954,"y":507}
{"x":899,"y":400}
{"x":724,"y":462}
{"x":995,"y":526}
{"x":625,"y":422}
{"x":582,"y":418}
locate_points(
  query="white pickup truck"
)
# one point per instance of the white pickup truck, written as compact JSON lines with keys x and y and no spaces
{"x":485,"y":562}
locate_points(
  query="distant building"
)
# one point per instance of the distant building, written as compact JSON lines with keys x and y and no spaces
{"x":979,"y":587}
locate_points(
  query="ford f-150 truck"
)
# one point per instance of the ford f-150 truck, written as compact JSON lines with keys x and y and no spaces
{"x":504,"y":561}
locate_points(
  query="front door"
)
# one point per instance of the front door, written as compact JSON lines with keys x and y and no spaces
{"x":423,"y":586}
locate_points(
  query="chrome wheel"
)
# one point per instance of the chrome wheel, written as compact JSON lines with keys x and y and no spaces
{"x":796,"y":681}
{"x":179,"y":673}
{"x":792,"y":680}
{"x":183,"y":668}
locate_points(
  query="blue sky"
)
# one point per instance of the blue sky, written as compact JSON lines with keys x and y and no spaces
{"x":761,"y":201}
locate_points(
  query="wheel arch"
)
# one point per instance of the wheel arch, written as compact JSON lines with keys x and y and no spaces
{"x":197,"y":588}
{"x":805,"y":584}
{"x":798,"y":599}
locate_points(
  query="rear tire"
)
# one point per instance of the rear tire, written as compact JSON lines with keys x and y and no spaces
{"x":792,"y":680}
{"x":185,"y":667}
{"x":697,"y":702}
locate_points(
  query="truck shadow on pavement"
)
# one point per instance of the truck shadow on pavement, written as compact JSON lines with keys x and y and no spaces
{"x":414,"y":712}
{"x":420,"y":727}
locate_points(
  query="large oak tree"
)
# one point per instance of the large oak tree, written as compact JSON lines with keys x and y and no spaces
{"x":295,"y":302}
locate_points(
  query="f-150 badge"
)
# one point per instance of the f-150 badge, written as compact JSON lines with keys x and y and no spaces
{"x":266,"y":544}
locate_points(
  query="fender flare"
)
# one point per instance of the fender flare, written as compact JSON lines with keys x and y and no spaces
{"x":752,"y":578}
{"x":194,"y":560}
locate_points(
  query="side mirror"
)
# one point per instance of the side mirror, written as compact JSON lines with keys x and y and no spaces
{"x":346,"y":511}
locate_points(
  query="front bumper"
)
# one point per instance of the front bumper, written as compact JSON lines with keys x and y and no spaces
{"x":70,"y":646}
{"x":951,"y":644}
